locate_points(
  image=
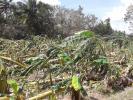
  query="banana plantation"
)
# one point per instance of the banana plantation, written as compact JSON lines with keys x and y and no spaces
{"x":81,"y":66}
{"x":50,"y":52}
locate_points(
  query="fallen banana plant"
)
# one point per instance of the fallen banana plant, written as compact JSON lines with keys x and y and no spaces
{"x":13,"y":61}
{"x":4,"y":98}
{"x":45,"y":94}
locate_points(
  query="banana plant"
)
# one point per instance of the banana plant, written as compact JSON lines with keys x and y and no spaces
{"x":64,"y":61}
{"x":4,"y":87}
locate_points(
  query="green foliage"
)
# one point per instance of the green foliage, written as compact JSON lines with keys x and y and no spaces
{"x":31,"y":68}
{"x":65,"y":57}
{"x":34,"y":59}
{"x":24,"y":19}
{"x":87,"y":34}
{"x":61,"y":84}
{"x":103,"y":28}
{"x":14,"y":85}
{"x":12,"y":98}
{"x":84,"y":54}
{"x":76,"y":83}
{"x":101,"y":61}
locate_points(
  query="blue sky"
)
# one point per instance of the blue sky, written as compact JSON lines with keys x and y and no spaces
{"x":115,"y":9}
{"x":97,"y":7}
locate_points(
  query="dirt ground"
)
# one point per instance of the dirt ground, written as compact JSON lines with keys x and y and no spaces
{"x":127,"y":94}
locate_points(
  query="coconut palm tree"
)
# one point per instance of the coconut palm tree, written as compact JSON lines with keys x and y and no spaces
{"x":37,"y":16}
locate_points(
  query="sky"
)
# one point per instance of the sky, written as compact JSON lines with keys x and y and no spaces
{"x":113,"y":9}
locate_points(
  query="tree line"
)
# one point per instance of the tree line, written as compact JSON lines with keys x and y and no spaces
{"x":25,"y":18}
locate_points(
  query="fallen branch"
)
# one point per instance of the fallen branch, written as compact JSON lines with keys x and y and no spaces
{"x":4,"y":98}
{"x":45,"y":94}
{"x":13,"y":61}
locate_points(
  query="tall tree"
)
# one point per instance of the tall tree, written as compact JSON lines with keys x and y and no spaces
{"x":70,"y":20}
{"x":37,"y":16}
{"x":129,"y":17}
{"x":104,"y":27}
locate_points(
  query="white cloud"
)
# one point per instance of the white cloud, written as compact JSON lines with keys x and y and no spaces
{"x":117,"y":15}
{"x":51,"y":2}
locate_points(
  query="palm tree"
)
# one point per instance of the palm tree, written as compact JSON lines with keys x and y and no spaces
{"x":35,"y":15}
